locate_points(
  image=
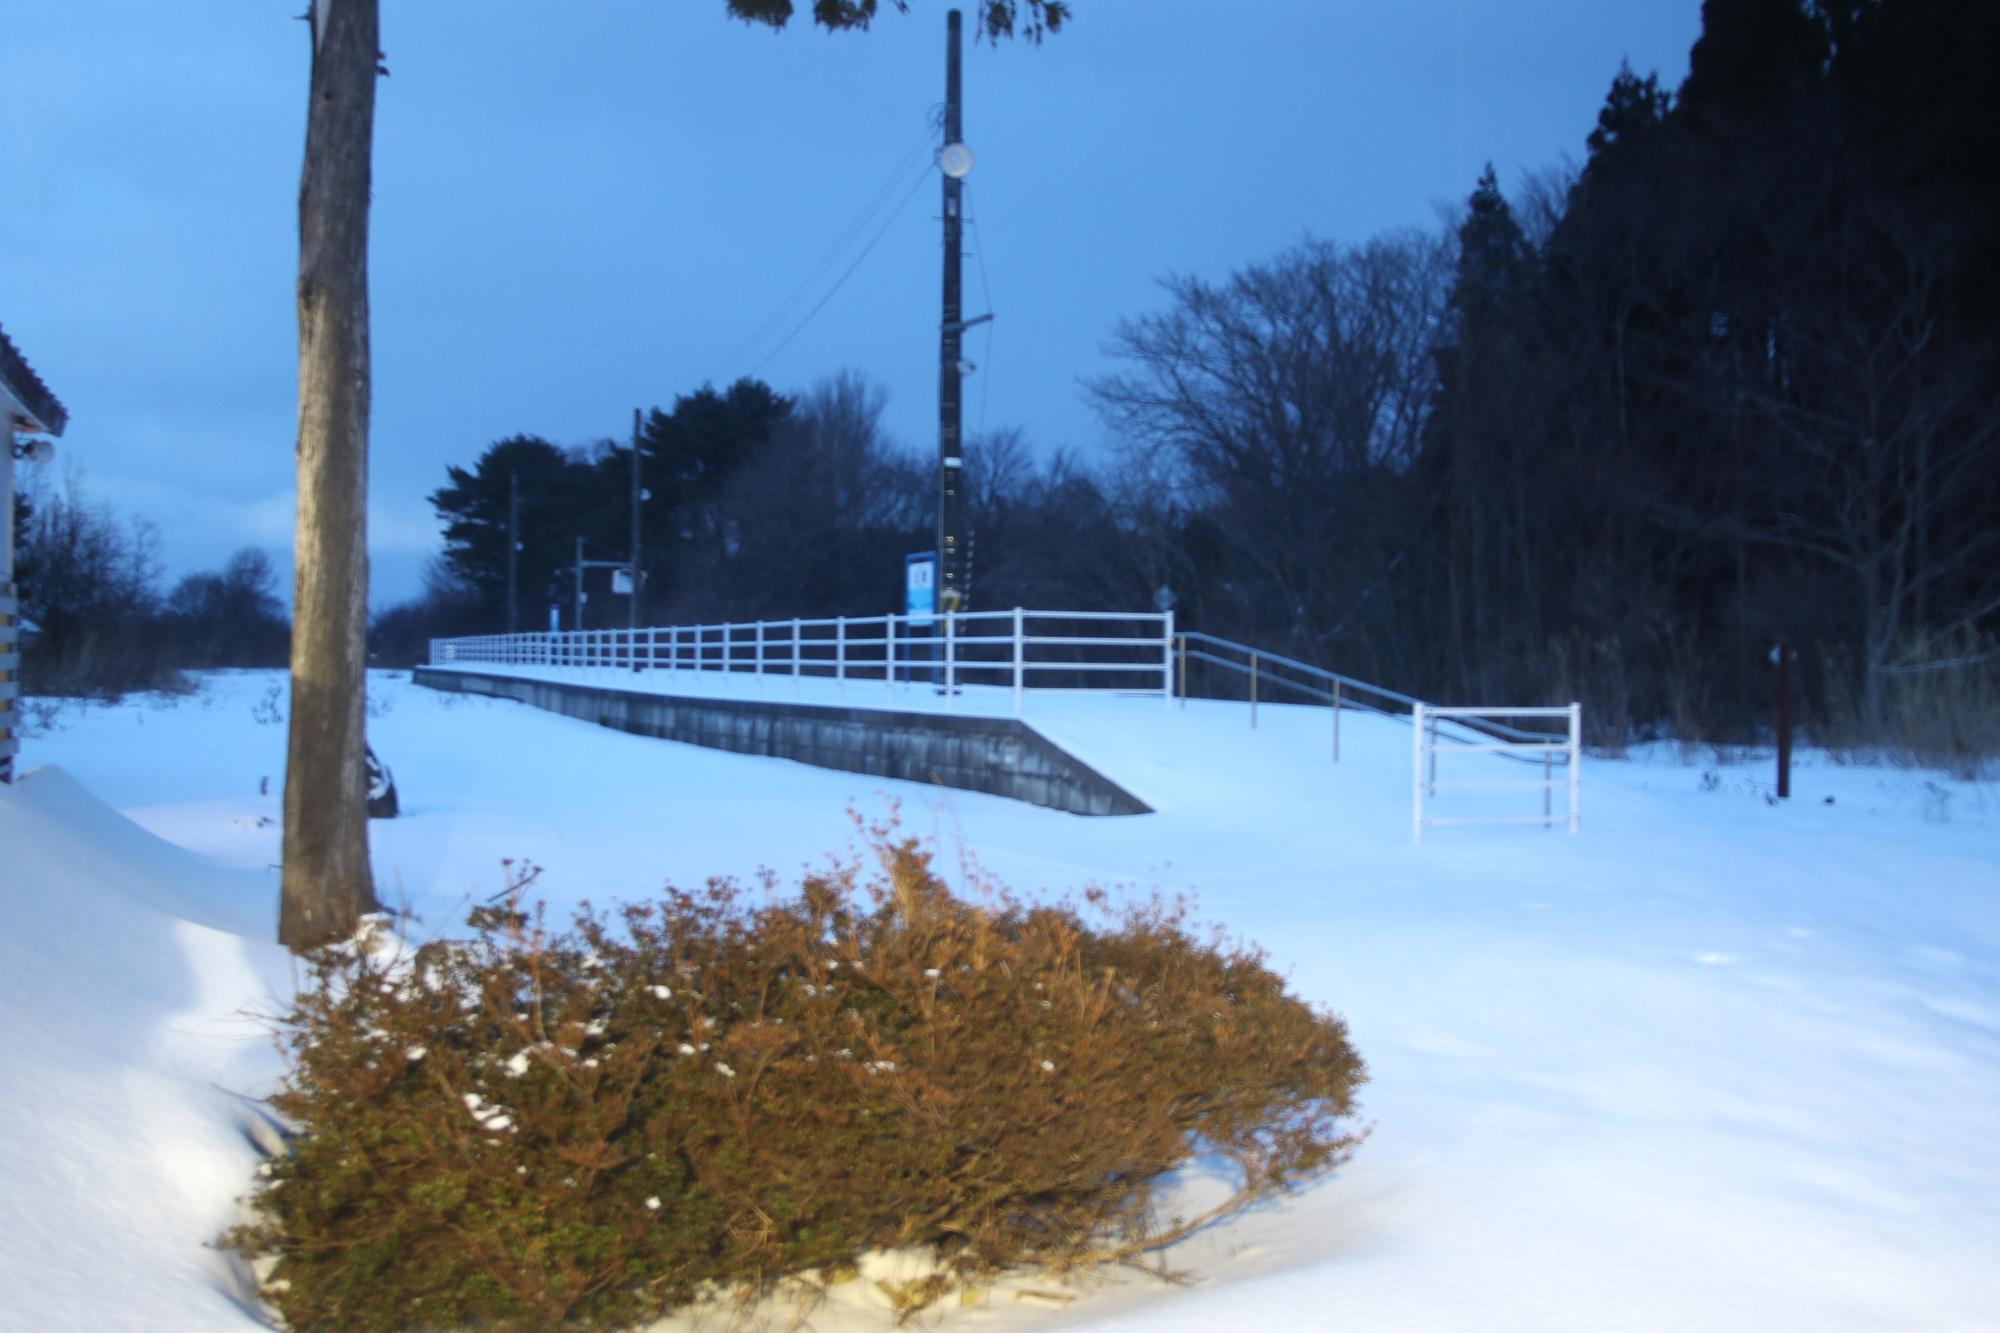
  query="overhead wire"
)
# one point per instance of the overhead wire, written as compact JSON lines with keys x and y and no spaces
{"x":840,"y":282}
{"x":913,"y":159}
{"x":986,"y":292}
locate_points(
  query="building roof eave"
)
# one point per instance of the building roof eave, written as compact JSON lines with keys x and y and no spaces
{"x":45,"y":414}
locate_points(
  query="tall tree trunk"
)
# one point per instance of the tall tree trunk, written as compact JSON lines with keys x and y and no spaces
{"x":327,"y":883}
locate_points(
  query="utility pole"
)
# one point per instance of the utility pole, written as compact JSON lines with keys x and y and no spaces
{"x":954,"y":161}
{"x":637,"y":495}
{"x":513,"y":548}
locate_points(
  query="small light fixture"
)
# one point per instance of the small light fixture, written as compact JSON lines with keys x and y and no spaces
{"x":39,"y":449}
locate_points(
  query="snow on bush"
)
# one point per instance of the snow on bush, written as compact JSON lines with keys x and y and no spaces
{"x":589,"y":1126}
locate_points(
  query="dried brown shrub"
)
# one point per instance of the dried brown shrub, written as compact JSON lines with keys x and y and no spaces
{"x":581,"y":1128}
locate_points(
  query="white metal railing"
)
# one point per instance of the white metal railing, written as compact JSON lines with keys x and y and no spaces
{"x":1018,"y":650}
{"x":1430,"y":743}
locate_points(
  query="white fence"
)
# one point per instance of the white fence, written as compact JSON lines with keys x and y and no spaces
{"x":1430,"y":743}
{"x":1019,"y":650}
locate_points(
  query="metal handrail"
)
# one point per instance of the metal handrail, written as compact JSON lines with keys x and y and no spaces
{"x":1339,"y":690}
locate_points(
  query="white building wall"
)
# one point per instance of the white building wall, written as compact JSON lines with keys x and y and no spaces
{"x":10,"y":612}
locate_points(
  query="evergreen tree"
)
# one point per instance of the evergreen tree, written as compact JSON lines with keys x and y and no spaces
{"x":473,"y":507}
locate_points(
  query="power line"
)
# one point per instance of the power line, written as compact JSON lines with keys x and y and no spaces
{"x":986,"y":293}
{"x":915,"y":158}
{"x":887,"y":223}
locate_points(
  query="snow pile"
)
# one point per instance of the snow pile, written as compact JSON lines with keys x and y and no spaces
{"x":124,"y":967}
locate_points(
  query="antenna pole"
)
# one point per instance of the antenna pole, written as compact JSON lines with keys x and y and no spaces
{"x":637,"y":493}
{"x":951,"y":456}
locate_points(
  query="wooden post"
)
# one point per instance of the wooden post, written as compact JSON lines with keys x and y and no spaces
{"x":1784,"y":721}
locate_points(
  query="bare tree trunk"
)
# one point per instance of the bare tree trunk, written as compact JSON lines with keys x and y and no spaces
{"x":327,"y":883}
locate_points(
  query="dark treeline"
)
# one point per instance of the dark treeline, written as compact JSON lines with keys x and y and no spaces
{"x":91,"y":588}
{"x":1730,"y":381}
{"x":758,"y":505}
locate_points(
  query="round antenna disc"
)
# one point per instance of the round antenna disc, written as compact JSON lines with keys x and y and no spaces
{"x":955,"y":160}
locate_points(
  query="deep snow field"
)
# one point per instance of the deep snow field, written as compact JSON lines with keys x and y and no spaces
{"x":1711,"y":1064}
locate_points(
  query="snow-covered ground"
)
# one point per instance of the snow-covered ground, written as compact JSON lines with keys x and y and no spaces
{"x":1712,"y":1064}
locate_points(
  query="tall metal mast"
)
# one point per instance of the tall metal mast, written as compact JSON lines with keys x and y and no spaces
{"x":951,"y":457}
{"x":638,"y":494}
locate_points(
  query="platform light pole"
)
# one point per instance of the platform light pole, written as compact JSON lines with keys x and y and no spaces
{"x":638,"y":494}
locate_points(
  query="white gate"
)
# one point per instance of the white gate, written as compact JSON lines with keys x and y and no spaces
{"x":1430,"y":743}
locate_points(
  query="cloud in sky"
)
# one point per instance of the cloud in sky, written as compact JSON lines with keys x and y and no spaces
{"x":580,"y":209}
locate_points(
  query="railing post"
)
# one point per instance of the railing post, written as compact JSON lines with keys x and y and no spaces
{"x":1575,"y":766}
{"x":728,"y":648}
{"x":760,"y":648}
{"x":950,"y":654}
{"x":1253,"y":690}
{"x":1336,"y":719}
{"x":1182,"y":639}
{"x":1434,"y":755}
{"x":1417,"y":772}
{"x":1020,"y":657}
{"x":840,"y":651}
{"x":798,"y":650}
{"x":889,"y":651}
{"x":1167,"y":658}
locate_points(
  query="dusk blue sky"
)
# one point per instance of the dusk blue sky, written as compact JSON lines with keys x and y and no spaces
{"x":583,"y":208}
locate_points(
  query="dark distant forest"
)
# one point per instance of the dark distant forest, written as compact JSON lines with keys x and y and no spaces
{"x":1732,"y":379}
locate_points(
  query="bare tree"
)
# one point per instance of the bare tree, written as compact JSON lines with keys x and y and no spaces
{"x":1284,"y":403}
{"x":815,"y":518}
